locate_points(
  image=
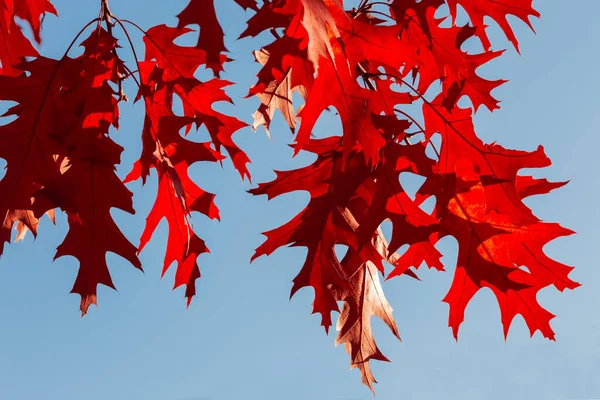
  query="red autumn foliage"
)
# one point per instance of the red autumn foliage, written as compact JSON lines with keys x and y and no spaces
{"x":369,"y":68}
{"x":15,"y":45}
{"x":371,"y":64}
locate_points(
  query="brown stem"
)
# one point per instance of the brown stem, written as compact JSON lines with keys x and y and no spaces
{"x":105,"y":15}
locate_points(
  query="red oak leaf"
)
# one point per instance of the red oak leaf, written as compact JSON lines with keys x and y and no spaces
{"x":27,"y":143}
{"x":364,"y":300}
{"x":15,"y":46}
{"x":329,"y":219}
{"x":168,"y":71}
{"x":276,"y":96}
{"x":363,"y":297}
{"x":177,"y":197}
{"x":211,"y":39}
{"x":324,"y":39}
{"x":68,"y":161}
{"x":32,"y":11}
{"x":175,"y":68}
{"x":286,"y":70}
{"x":477,"y":10}
{"x":439,"y":56}
{"x":315,"y":227}
{"x":491,"y":251}
{"x":496,"y":232}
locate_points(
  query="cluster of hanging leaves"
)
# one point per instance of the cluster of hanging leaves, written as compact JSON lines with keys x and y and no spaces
{"x":373,"y":64}
{"x":59,"y":153}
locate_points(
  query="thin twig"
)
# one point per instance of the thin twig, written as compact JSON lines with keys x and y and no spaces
{"x":105,"y":16}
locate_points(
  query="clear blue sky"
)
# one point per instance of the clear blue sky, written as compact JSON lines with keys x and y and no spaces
{"x":242,"y":338}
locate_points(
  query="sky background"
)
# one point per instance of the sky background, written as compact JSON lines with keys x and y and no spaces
{"x":241,"y":338}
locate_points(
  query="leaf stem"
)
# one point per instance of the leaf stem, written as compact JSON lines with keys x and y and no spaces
{"x":105,"y":16}
{"x":132,"y":47}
